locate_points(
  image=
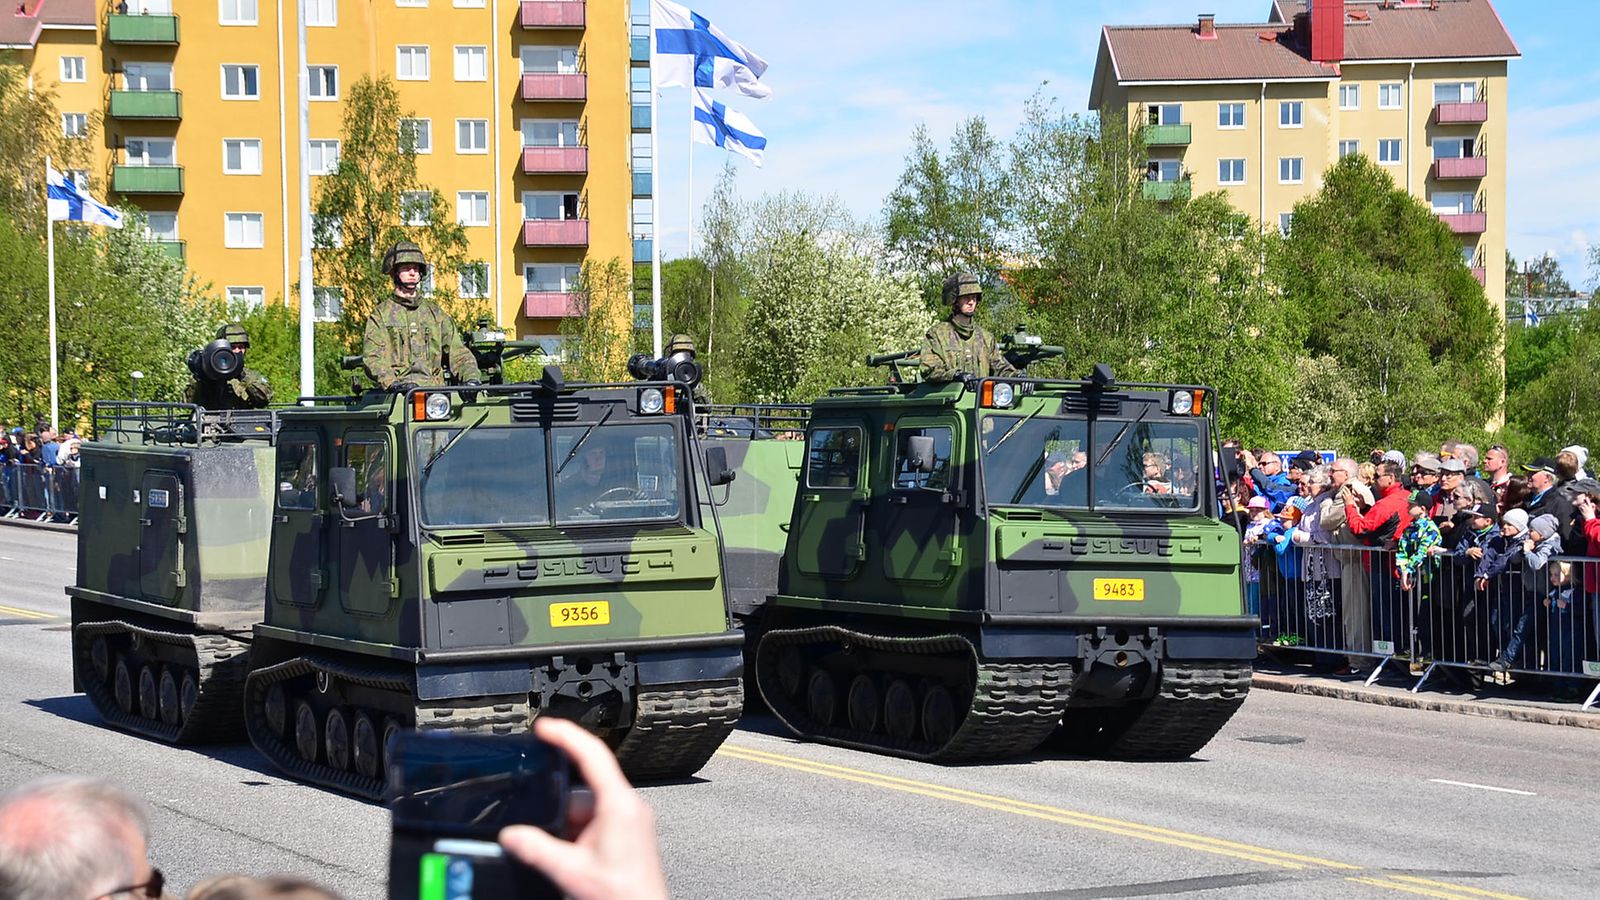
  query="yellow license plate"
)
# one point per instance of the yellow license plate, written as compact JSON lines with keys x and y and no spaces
{"x":588,"y":612}
{"x":1119,"y":589}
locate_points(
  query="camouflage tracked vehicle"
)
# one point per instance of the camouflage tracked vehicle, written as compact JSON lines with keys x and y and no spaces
{"x":968,"y":569}
{"x":448,"y":558}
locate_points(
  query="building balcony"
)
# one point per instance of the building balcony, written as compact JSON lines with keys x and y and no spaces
{"x":142,"y":30}
{"x":550,"y":304}
{"x":1482,"y":274}
{"x":555,"y":160}
{"x":1461,"y":167}
{"x":147,"y":179}
{"x":640,"y":117}
{"x":552,"y":14}
{"x":561,"y":86}
{"x":639,"y":50}
{"x":1461,"y":113}
{"x":641,"y":184}
{"x":1165,"y":190}
{"x":1167,"y":135}
{"x":151,"y":105}
{"x":1466,"y":223}
{"x":555,"y":232}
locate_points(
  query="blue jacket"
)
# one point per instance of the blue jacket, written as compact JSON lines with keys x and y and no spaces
{"x":1289,"y":555}
{"x":1499,"y":554}
{"x":1276,"y":488}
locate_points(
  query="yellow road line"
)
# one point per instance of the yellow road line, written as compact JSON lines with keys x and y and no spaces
{"x":1189,"y":840}
{"x":25,"y":613}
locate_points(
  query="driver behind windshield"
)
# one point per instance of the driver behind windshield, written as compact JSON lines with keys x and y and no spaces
{"x":1060,"y":483}
{"x":591,"y":475}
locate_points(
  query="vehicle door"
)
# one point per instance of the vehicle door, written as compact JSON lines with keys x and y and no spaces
{"x":832,"y":509}
{"x":298,"y":573}
{"x":919,"y":515}
{"x":363,"y":535}
{"x":161,"y":525}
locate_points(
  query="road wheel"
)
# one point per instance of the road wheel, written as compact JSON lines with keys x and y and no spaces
{"x":167,"y":694}
{"x":938,"y":715}
{"x":390,"y":729}
{"x":305,"y":731}
{"x":864,"y":705}
{"x":188,"y":692}
{"x":364,"y":746}
{"x":276,"y":707}
{"x":900,"y":710}
{"x":122,"y":685}
{"x":100,"y":658}
{"x":822,"y":699}
{"x":149,"y":706}
{"x":336,"y":740}
{"x":791,"y":670}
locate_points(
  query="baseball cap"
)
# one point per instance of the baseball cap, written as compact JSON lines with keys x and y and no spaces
{"x":1541,"y":464}
{"x":1479,"y":511}
{"x":1426,"y":464}
{"x":1258,"y":502}
{"x":1305,"y":460}
{"x":1421,"y":498}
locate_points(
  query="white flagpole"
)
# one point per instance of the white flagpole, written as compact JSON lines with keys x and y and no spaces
{"x":689,"y":201}
{"x":655,"y":200}
{"x":50,"y":266}
{"x":308,"y":369}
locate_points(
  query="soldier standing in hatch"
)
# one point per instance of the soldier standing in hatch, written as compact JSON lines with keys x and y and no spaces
{"x":248,"y":391}
{"x":959,"y":346}
{"x":408,"y":335}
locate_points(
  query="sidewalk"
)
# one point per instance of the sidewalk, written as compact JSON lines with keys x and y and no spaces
{"x":1513,"y":702}
{"x":34,"y":523}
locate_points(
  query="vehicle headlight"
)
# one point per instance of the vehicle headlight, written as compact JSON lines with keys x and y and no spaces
{"x":1182,"y":403}
{"x":438,"y":406}
{"x":1004,"y":394}
{"x":650,"y":401}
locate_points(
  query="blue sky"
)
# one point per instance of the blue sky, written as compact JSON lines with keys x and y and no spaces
{"x":851,"y":80}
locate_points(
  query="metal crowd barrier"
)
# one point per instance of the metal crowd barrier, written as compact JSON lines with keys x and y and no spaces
{"x":42,"y":492}
{"x":1346,"y":602}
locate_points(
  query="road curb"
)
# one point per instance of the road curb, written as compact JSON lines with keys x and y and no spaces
{"x":1297,"y":685}
{"x":42,"y":526}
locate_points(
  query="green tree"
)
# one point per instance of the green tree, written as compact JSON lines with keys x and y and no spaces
{"x":30,"y":130}
{"x":274,"y":330}
{"x":599,"y":333}
{"x":369,"y":203}
{"x":1556,"y":407}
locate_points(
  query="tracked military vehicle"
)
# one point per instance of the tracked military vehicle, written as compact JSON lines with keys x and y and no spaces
{"x":967,"y":569}
{"x":445,"y":558}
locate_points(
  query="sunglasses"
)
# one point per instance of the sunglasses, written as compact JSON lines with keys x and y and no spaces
{"x":151,"y":889}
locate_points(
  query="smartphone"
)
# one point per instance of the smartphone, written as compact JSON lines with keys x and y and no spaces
{"x":450,"y":794}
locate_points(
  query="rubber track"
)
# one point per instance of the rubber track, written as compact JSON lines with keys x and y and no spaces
{"x":1196,"y":700}
{"x":1015,"y":706}
{"x":220,"y":661}
{"x":675,"y":733}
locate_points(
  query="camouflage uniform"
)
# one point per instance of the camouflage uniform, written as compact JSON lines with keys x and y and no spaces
{"x":250,"y":390}
{"x":408,"y":338}
{"x":960,"y":345}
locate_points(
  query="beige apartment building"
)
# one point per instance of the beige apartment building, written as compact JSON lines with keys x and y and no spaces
{"x":1260,"y":111}
{"x":527,"y":116}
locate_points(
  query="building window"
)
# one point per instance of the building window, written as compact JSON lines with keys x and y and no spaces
{"x":1230,"y":115}
{"x":549,"y":277}
{"x":147,"y":76}
{"x":1349,"y":148}
{"x":1291,"y":169}
{"x":1166,"y":114}
{"x":322,"y":13}
{"x":1389,"y":96}
{"x":549,"y":133}
{"x":472,"y":135}
{"x":416,"y":135}
{"x":1453,"y":148}
{"x":1454,"y":92}
{"x":161,"y":226}
{"x":472,"y":208}
{"x":248,"y":297}
{"x":72,"y":69}
{"x":236,"y":12}
{"x":1162,"y":170}
{"x":411,"y":62}
{"x":469,"y":4}
{"x":1230,"y":171}
{"x":1285,"y":223}
{"x":327,"y":303}
{"x":241,"y":156}
{"x":79,"y":177}
{"x":418,"y":3}
{"x":324,"y":82}
{"x":1291,"y":113}
{"x":559,"y":60}
{"x":473,"y":280}
{"x":1349,"y":96}
{"x":1389,"y":152}
{"x":324,"y":157}
{"x":241,"y":82}
{"x":1453,"y":203}
{"x":416,"y":207}
{"x":242,"y":230}
{"x":75,"y":125}
{"x":327,"y":232}
{"x":151,"y":152}
{"x":549,"y":205}
{"x":472,"y":63}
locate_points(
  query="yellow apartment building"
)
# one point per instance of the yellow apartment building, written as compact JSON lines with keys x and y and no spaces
{"x":531,"y":118}
{"x":1261,"y":111}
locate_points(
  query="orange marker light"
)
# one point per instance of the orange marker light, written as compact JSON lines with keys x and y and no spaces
{"x":669,"y":400}
{"x":419,"y":407}
{"x":986,"y":395}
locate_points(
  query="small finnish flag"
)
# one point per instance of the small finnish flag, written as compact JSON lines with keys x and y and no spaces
{"x":69,"y":203}
{"x":719,"y":126}
{"x":693,"y":53}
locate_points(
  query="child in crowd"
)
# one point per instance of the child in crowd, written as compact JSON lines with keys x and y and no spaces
{"x":1413,"y":561}
{"x":1558,"y":603}
{"x":1543,"y":541}
{"x":1284,"y":599}
{"x":1260,"y":514}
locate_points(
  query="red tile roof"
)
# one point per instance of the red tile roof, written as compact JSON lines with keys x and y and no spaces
{"x":1176,"y":53}
{"x":1448,"y":29}
{"x":22,"y":20}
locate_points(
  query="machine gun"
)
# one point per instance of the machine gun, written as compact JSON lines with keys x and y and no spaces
{"x":1020,"y":348}
{"x":489,"y":347}
{"x":902,"y":365}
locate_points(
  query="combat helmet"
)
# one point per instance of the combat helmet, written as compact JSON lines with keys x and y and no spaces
{"x":404,"y":252}
{"x":234,"y":333}
{"x":962,"y":284}
{"x":679,"y":343}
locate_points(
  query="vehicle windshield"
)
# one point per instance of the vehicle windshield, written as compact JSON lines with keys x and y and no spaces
{"x":621,"y":472}
{"x":490,"y":476}
{"x":1049,"y":462}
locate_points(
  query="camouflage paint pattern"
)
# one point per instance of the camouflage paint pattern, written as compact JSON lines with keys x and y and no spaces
{"x":250,"y":390}
{"x":411,"y":341}
{"x":945,"y":353}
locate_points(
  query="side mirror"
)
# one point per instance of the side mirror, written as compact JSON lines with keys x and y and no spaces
{"x":342,"y":481}
{"x":919,"y":452}
{"x":717,"y":471}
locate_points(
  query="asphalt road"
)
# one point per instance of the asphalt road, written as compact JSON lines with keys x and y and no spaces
{"x":1298,"y":797}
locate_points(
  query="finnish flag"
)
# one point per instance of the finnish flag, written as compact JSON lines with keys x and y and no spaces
{"x":716,"y":124}
{"x":693,"y":53}
{"x":69,"y":203}
{"x":1530,"y":316}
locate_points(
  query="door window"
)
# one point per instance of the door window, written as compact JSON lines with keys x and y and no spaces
{"x":370,"y":459}
{"x":906,"y":477}
{"x":833,"y":458}
{"x":297,"y":475}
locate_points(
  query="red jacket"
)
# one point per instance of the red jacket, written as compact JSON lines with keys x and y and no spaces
{"x":1375,"y":526}
{"x":1591,"y":571}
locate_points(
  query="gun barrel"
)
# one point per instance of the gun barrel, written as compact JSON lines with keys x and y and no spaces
{"x":882,"y":359}
{"x":351,"y":362}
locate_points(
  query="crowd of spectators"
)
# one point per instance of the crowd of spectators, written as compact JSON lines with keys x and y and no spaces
{"x":38,"y":472}
{"x":1444,"y":556}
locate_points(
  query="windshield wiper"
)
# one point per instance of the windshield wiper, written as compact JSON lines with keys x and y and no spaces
{"x":578,"y":444}
{"x":1118,"y":439}
{"x":1038,"y":465}
{"x":452,"y":442}
{"x":1013,"y":429}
